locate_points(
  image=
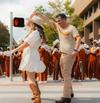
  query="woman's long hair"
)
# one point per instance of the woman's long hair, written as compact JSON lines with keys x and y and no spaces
{"x":41,"y":32}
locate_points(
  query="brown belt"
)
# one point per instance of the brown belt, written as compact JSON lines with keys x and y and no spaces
{"x":63,"y":53}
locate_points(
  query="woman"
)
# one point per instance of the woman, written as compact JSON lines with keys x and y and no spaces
{"x":31,"y":60}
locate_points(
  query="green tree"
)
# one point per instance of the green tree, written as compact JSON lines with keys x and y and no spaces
{"x":40,"y":9}
{"x":50,"y":33}
{"x":57,"y":6}
{"x":4,"y":36}
{"x":77,"y":22}
{"x":68,"y":9}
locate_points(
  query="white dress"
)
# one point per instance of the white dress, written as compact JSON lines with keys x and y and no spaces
{"x":31,"y":59}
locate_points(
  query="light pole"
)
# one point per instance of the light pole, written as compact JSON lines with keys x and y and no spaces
{"x":11,"y":45}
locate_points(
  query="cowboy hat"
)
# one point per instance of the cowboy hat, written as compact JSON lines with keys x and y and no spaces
{"x":37,"y":20}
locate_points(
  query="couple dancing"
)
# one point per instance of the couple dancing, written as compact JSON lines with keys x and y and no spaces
{"x":69,"y":44}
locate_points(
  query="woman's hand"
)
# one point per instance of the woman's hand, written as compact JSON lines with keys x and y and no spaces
{"x":7,"y":53}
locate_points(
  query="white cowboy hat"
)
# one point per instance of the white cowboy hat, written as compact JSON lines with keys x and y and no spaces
{"x":37,"y":20}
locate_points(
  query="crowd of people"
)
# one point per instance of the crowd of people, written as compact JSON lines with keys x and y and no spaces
{"x":5,"y":63}
{"x":86,"y":65}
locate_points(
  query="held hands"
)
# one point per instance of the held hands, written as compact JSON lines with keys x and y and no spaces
{"x":7,"y":53}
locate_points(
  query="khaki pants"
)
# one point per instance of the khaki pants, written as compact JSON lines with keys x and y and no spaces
{"x":66,"y":63}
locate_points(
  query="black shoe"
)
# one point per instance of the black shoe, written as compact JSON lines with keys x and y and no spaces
{"x":72,"y":95}
{"x":64,"y":100}
{"x":60,"y":101}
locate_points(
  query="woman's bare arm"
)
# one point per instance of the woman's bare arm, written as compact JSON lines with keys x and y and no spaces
{"x":21,"y":47}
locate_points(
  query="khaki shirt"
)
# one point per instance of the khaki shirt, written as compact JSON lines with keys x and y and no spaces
{"x":67,"y":42}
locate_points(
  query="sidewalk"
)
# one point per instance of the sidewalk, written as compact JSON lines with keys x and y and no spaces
{"x":19,"y":92}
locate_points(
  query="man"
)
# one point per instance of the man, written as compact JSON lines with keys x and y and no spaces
{"x":69,"y":45}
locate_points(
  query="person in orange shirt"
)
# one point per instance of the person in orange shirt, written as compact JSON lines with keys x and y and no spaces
{"x":82,"y":63}
{"x":97,"y":74}
{"x":1,"y":57}
{"x":76,"y":69}
{"x":3,"y":64}
{"x":56,"y":60}
{"x":44,"y":51}
{"x":7,"y":64}
{"x":92,"y":60}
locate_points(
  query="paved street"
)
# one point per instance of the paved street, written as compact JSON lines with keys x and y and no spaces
{"x":18,"y":92}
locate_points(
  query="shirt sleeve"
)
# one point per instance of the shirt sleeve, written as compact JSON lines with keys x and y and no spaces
{"x":32,"y":38}
{"x":74,"y":32}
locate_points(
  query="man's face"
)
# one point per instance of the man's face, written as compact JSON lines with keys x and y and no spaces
{"x":61,"y":21}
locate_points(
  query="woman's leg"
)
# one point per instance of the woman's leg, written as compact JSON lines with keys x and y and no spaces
{"x":24,"y":75}
{"x":34,"y":87}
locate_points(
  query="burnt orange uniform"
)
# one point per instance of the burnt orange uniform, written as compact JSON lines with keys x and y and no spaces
{"x":0,"y":64}
{"x":3,"y":64}
{"x":76,"y":68}
{"x":97,"y":75}
{"x":7,"y":65}
{"x":82,"y":63}
{"x":15,"y":64}
{"x":45,"y":57}
{"x":92,"y":62}
{"x":56,"y":64}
